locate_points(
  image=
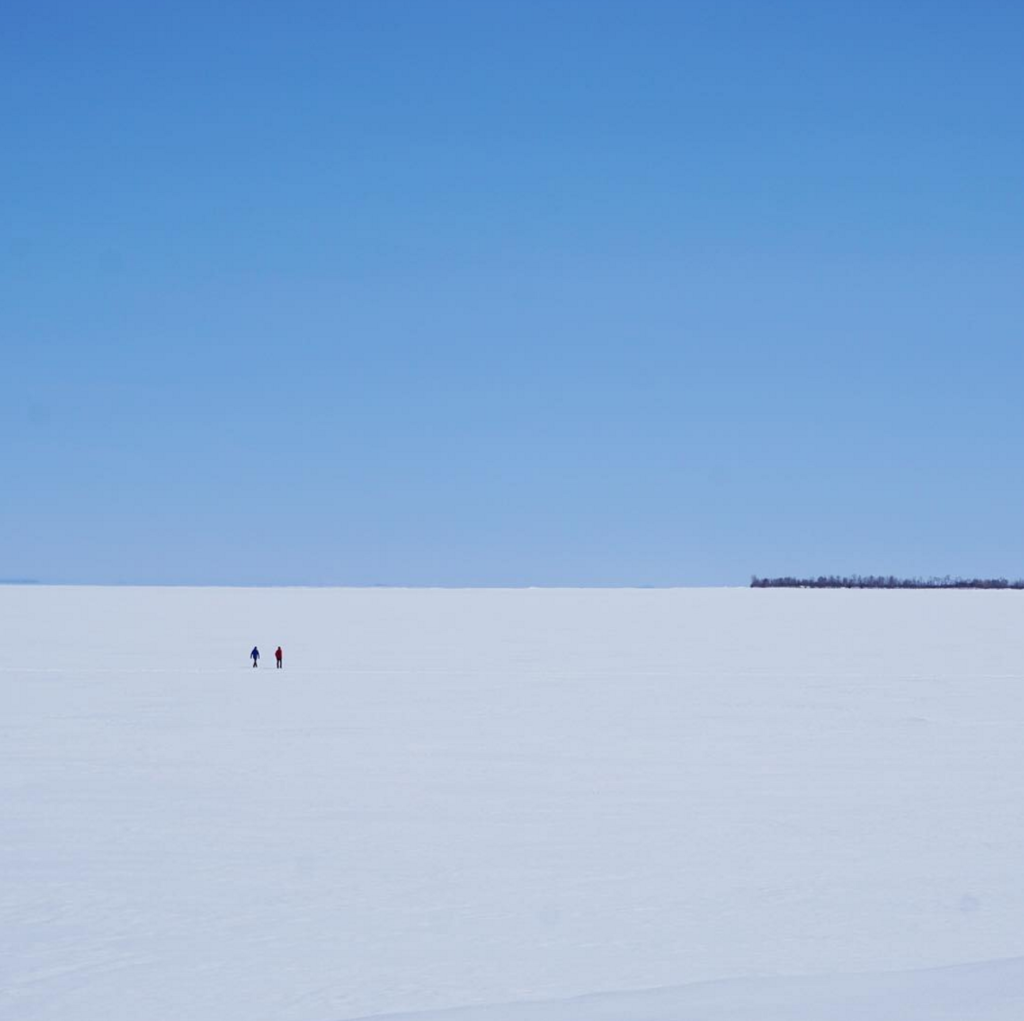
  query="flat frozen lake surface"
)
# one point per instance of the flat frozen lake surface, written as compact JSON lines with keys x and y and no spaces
{"x":457,"y":798}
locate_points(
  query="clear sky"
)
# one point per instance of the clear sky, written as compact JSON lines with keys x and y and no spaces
{"x":510,"y":292}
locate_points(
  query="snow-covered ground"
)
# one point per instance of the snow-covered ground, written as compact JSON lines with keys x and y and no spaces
{"x":690,"y":805}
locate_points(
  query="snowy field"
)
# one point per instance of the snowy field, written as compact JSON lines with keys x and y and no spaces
{"x":690,"y":805}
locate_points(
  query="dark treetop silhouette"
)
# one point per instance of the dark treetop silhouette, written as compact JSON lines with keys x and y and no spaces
{"x":883,"y":581}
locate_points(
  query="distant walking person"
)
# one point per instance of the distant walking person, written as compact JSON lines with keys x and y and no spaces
{"x":255,"y":657}
{"x":279,"y":655}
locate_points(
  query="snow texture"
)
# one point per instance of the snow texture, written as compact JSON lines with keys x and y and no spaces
{"x":636,"y":805}
{"x":989,"y":991}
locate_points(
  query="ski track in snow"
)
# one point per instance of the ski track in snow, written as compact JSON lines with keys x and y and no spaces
{"x":993,"y":991}
{"x":754,"y":805}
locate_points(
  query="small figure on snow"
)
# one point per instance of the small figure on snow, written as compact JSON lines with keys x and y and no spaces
{"x":279,"y":655}
{"x":255,"y":657}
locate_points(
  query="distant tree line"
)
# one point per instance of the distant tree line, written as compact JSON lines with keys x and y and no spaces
{"x":883,"y":581}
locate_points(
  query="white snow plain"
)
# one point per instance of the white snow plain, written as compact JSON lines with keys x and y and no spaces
{"x":639,"y":805}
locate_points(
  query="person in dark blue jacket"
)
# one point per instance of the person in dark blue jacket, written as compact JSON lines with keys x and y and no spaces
{"x":255,"y":656}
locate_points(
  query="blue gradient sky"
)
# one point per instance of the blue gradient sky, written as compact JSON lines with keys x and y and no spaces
{"x":510,"y":293}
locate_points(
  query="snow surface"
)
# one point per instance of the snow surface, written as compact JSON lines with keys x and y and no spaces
{"x":690,"y":804}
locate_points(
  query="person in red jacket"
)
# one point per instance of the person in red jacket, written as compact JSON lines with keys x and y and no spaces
{"x":279,"y":655}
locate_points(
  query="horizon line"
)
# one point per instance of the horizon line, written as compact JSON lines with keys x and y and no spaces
{"x":35,"y":583}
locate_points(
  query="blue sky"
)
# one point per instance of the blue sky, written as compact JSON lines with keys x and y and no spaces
{"x":510,"y":293}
